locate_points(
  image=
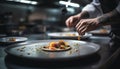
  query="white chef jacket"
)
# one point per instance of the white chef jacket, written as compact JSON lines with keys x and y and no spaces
{"x":94,"y":9}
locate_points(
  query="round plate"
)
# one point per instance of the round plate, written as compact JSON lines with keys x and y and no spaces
{"x":34,"y":51}
{"x":67,"y":35}
{"x":10,"y":39}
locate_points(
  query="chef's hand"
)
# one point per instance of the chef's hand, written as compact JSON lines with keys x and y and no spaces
{"x":73,"y":20}
{"x":85,"y":25}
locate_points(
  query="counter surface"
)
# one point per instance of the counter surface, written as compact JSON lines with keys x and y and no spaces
{"x":102,"y":60}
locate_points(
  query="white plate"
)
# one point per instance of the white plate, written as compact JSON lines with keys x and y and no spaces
{"x":67,"y":35}
{"x":17,"y":39}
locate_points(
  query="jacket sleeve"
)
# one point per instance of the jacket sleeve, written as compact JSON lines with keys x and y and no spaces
{"x":94,"y":9}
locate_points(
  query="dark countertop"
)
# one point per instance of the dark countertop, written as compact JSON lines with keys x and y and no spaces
{"x":102,"y":60}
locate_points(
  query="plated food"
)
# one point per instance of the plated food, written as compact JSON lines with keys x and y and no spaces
{"x":57,"y":46}
{"x":103,"y":31}
{"x":35,"y":50}
{"x":13,"y":39}
{"x":100,"y":31}
{"x":68,"y":35}
{"x":63,"y":34}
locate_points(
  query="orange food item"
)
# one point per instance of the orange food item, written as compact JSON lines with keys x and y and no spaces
{"x":52,"y":48}
{"x":79,"y":37}
{"x":52,"y":44}
{"x":103,"y":31}
{"x":61,"y":42}
{"x":12,"y":39}
{"x":57,"y":46}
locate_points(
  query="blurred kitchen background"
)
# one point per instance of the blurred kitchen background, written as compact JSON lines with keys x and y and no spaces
{"x":19,"y":17}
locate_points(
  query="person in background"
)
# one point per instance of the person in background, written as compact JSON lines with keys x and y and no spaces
{"x":96,"y":14}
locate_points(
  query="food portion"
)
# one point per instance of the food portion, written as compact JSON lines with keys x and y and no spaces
{"x":100,"y":31}
{"x":79,"y":37}
{"x":70,"y":34}
{"x":57,"y":46}
{"x":103,"y":31}
{"x":12,"y":39}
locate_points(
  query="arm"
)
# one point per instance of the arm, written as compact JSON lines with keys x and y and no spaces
{"x":110,"y":18}
{"x":88,"y":11}
{"x":85,"y":25}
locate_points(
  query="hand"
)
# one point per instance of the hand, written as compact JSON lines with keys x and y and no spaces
{"x":72,"y":21}
{"x":85,"y":25}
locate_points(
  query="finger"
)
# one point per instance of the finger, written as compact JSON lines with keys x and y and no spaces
{"x":86,"y":25}
{"x":71,"y":22}
{"x":79,"y":23}
{"x":75,"y":23}
{"x":85,"y":29}
{"x":79,"y":29}
{"x":68,"y":22}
